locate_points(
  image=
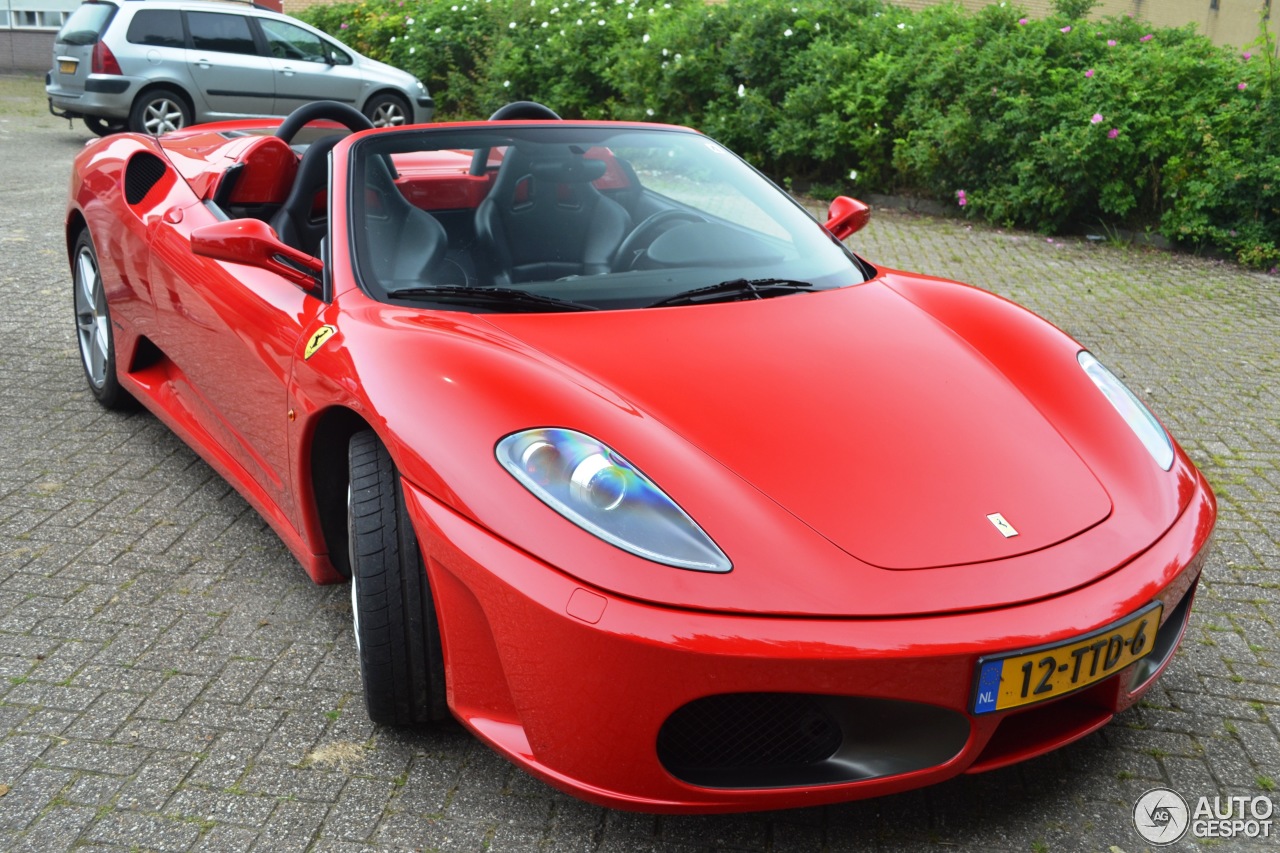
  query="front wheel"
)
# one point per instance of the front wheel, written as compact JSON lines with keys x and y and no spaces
{"x":388,"y":110}
{"x":159,"y":111}
{"x":94,"y":333}
{"x":397,"y":635}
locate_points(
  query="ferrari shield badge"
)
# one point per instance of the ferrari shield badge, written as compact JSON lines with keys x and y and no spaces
{"x":1005,"y":528}
{"x":317,"y":340}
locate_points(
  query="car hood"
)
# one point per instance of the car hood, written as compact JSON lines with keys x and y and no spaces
{"x":864,"y":416}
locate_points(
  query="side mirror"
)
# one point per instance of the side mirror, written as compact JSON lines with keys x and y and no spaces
{"x":254,"y":243}
{"x":847,"y":216}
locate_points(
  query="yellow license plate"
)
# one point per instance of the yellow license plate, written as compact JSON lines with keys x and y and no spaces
{"x":1047,"y":672}
{"x":67,"y":66}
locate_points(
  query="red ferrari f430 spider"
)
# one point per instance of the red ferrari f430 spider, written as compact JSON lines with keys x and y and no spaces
{"x":634,"y":467}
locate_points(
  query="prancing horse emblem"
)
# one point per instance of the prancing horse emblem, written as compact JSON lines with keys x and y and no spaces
{"x":317,"y":340}
{"x":1005,"y":528}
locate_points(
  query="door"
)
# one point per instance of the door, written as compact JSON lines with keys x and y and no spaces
{"x":232,"y":331}
{"x":231,"y":74}
{"x":308,"y":68}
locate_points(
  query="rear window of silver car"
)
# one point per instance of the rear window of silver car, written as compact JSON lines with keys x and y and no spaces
{"x":86,"y":24}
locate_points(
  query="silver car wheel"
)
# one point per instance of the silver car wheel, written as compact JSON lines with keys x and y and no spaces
{"x":388,"y":111}
{"x":91,"y":318}
{"x":163,"y":115}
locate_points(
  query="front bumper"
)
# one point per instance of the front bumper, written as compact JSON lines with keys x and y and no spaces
{"x":616,"y":701}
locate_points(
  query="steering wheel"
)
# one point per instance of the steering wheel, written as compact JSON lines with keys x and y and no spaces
{"x":645,"y":233}
{"x":344,"y":114}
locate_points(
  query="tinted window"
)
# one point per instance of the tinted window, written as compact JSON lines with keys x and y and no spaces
{"x":86,"y":23}
{"x":224,"y":33}
{"x":158,"y":27}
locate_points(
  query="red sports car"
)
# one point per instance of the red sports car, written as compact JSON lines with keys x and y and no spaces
{"x":635,"y":469}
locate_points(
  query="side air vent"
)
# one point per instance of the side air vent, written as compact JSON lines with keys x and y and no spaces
{"x":143,"y":172}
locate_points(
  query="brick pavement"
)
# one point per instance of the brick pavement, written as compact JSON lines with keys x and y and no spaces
{"x":170,"y":680}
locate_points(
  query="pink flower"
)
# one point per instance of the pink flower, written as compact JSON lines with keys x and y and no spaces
{"x":1022,"y":22}
{"x":344,"y":26}
{"x":1066,"y":29}
{"x":1246,"y":56}
{"x":961,"y":199}
{"x":1111,"y":42}
{"x":1243,"y":86}
{"x":1089,"y":73}
{"x":1147,"y":37}
{"x":1097,"y":118}
{"x":1113,"y":133}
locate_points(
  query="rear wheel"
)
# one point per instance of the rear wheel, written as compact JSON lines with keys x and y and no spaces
{"x":159,"y":111}
{"x":94,"y":333}
{"x":102,"y":126}
{"x":387,"y":110}
{"x":397,"y":635}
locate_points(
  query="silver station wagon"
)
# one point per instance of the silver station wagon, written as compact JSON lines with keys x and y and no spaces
{"x":154,"y":66}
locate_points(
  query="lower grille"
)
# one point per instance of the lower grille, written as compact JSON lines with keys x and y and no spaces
{"x":778,"y":740}
{"x":749,"y":730}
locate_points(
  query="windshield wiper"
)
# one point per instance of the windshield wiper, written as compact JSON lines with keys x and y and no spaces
{"x":489,"y":297}
{"x":735,"y":289}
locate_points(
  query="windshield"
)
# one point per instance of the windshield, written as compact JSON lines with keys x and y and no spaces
{"x":86,"y":23}
{"x":578,"y":218}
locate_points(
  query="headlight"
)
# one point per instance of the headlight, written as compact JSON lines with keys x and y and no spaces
{"x":595,"y":488}
{"x":1137,"y":415}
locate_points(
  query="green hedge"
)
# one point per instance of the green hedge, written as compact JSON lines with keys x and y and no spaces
{"x":1054,"y":124}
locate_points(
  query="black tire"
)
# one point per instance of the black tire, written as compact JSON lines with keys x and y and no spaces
{"x":388,"y":110}
{"x":102,"y":126}
{"x":397,"y":635}
{"x":94,"y":332}
{"x":159,"y":111}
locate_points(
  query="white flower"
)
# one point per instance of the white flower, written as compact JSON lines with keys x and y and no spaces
{"x":511,"y":26}
{"x":787,"y":33}
{"x":545,"y":25}
{"x":664,"y":52}
{"x":742,"y":90}
{"x":600,"y":22}
{"x":408,"y":22}
{"x":413,"y":50}
{"x":506,"y":84}
{"x":853,"y":174}
{"x":817,"y":26}
{"x":902,"y":26}
{"x":648,"y":112}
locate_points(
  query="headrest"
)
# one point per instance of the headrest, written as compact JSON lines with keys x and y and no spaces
{"x":574,"y":171}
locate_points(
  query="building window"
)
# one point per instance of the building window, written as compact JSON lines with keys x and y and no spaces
{"x":35,"y":14}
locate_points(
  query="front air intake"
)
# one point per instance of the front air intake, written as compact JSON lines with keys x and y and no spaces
{"x":780,"y":740}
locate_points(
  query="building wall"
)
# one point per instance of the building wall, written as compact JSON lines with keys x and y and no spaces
{"x":1232,"y":22}
{"x":25,"y":50}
